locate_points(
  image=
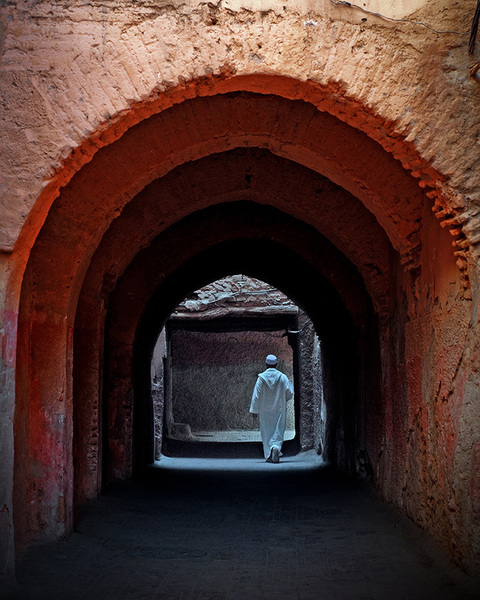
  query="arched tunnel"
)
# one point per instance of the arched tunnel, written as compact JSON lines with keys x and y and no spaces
{"x":238,"y":182}
{"x":263,"y":249}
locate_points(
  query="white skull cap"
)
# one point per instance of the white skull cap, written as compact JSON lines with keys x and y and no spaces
{"x":271,"y":359}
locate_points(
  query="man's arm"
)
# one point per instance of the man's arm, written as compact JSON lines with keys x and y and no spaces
{"x":289,"y":389}
{"x":254,"y":405}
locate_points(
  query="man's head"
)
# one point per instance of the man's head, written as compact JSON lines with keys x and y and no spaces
{"x":271,"y":360}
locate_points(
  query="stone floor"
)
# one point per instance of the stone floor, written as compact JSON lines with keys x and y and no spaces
{"x":227,"y":529}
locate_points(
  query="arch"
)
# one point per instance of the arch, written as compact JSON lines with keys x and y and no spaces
{"x":330,"y":98}
{"x":330,"y":318}
{"x":253,"y":231}
{"x":289,"y":141}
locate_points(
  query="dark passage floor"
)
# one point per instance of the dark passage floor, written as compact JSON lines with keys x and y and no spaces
{"x":228,"y":529}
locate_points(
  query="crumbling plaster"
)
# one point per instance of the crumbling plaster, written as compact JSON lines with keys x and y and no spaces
{"x":75,"y":78}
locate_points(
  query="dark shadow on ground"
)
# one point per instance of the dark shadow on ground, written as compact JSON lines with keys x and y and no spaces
{"x":205,"y":529}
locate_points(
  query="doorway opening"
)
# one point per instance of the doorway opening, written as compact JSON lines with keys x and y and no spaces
{"x":206,"y":361}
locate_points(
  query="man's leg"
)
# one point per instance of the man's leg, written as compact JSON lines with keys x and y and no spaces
{"x":274,"y":456}
{"x":275,"y":453}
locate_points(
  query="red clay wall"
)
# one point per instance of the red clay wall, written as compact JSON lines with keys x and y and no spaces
{"x":137,"y":115}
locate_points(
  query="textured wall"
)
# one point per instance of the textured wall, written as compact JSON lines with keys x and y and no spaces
{"x":67,"y":77}
{"x":158,"y":390}
{"x":118,"y":121}
{"x":313,"y":410}
{"x":214,"y":375}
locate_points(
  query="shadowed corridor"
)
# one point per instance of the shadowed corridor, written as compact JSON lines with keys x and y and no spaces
{"x":221,"y":529}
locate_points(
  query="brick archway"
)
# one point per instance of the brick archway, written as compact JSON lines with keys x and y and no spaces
{"x":223,"y":239}
{"x":302,"y":161}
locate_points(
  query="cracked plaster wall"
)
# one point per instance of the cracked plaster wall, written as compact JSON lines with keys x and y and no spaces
{"x":75,"y":80}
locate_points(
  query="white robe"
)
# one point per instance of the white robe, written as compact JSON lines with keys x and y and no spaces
{"x":272,"y":391}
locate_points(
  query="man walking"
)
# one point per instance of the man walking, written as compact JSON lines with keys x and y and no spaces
{"x":269,"y":401}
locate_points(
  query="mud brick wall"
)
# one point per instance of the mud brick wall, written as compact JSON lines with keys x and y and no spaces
{"x":214,"y":375}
